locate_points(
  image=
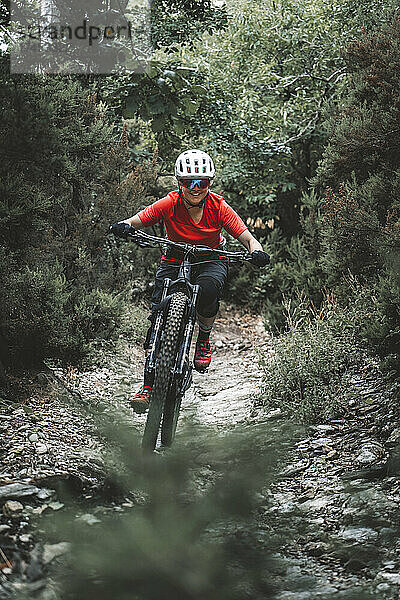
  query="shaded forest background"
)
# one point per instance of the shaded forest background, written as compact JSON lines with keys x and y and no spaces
{"x":299,"y":104}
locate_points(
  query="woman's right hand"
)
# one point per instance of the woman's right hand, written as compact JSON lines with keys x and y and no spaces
{"x":121,"y":229}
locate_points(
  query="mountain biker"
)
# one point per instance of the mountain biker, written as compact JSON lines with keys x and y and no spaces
{"x":193,"y":214}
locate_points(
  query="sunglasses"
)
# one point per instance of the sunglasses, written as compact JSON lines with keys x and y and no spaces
{"x":190,"y":184}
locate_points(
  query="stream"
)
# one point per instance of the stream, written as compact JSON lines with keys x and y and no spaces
{"x":327,"y":513}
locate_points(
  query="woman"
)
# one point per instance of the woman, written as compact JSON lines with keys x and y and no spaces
{"x":193,"y":214}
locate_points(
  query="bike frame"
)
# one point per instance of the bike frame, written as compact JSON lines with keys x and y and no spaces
{"x":182,"y":370}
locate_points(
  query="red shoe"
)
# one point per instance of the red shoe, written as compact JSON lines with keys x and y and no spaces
{"x":202,"y":356}
{"x":141,"y":400}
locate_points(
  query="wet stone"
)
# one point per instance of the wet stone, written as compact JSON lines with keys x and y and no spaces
{"x":359,"y":534}
{"x":12,"y":508}
{"x":41,"y":449}
{"x":17,"y":490}
{"x":52,"y":551}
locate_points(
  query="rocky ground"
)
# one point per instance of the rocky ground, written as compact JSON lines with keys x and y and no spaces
{"x":334,"y":502}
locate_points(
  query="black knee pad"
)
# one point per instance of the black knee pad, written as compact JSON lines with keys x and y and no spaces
{"x":208,"y":304}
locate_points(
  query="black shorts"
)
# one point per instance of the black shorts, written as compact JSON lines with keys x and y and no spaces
{"x":214,"y":270}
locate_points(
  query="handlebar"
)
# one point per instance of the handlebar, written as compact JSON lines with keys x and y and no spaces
{"x":146,"y":240}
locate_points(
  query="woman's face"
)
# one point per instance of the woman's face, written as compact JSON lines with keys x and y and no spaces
{"x":194,"y":196}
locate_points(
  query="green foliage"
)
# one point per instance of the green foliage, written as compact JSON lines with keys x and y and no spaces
{"x":192,"y":529}
{"x":65,"y":177}
{"x":174,"y":23}
{"x":306,"y":376}
{"x":263,"y":110}
{"x":40,"y":318}
{"x":351,"y":228}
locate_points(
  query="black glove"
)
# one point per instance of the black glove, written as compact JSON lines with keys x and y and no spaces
{"x":121,"y":230}
{"x":260,"y":258}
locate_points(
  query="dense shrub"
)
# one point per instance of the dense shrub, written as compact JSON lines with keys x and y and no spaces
{"x":350,"y":220}
{"x":40,"y":317}
{"x":66,"y":176}
{"x":307,"y":374}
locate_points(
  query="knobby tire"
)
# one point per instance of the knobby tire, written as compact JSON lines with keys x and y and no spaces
{"x":163,"y":373}
{"x":170,"y":416}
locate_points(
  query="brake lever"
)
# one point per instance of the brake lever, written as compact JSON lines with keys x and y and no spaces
{"x":136,"y":237}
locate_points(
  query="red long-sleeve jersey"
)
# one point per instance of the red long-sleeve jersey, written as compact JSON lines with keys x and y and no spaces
{"x":179,"y":226}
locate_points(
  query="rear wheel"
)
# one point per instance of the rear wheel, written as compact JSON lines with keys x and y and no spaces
{"x":163,"y":387}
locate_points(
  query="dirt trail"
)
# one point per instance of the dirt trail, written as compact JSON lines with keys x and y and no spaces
{"x":341,"y":535}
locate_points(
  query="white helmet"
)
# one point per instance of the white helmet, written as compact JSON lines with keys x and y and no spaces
{"x":194,"y":164}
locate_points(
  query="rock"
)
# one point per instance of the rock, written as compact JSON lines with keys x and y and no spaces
{"x":323,"y":428}
{"x":12,"y":508}
{"x":273,"y":414}
{"x":52,"y":551}
{"x":366,"y":457}
{"x":28,"y":590}
{"x":373,"y":472}
{"x":4,"y":528}
{"x":41,"y":449}
{"x":42,"y":378}
{"x":295,"y":468}
{"x":393,"y":578}
{"x":219,"y":344}
{"x":316,"y":548}
{"x":25,"y":538}
{"x":89,"y":519}
{"x":321,"y":442}
{"x":57,"y":505}
{"x":44,"y":494}
{"x":316,"y":504}
{"x":394,"y":437}
{"x":370,"y":453}
{"x":18,"y":490}
{"x":40,"y":509}
{"x":33,"y":437}
{"x":359,"y":534}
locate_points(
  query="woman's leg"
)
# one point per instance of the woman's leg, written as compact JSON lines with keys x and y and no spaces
{"x":211,"y":280}
{"x":207,"y":307}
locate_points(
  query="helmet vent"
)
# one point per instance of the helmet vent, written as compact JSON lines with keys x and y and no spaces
{"x":192,"y":163}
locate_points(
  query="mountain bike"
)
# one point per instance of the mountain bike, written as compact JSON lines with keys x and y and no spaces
{"x":173,"y":321}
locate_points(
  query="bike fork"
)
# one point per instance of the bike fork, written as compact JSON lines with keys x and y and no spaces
{"x":187,"y":337}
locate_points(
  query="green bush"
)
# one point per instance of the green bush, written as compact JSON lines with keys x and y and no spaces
{"x":66,"y":176}
{"x":34,"y":314}
{"x":306,"y":374}
{"x":43,"y":316}
{"x":192,"y":530}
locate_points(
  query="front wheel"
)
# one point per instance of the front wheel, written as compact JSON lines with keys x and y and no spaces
{"x":171,"y":337}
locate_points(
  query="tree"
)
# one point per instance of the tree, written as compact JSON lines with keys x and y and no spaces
{"x":65,"y":174}
{"x":351,"y":224}
{"x":268,"y":80}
